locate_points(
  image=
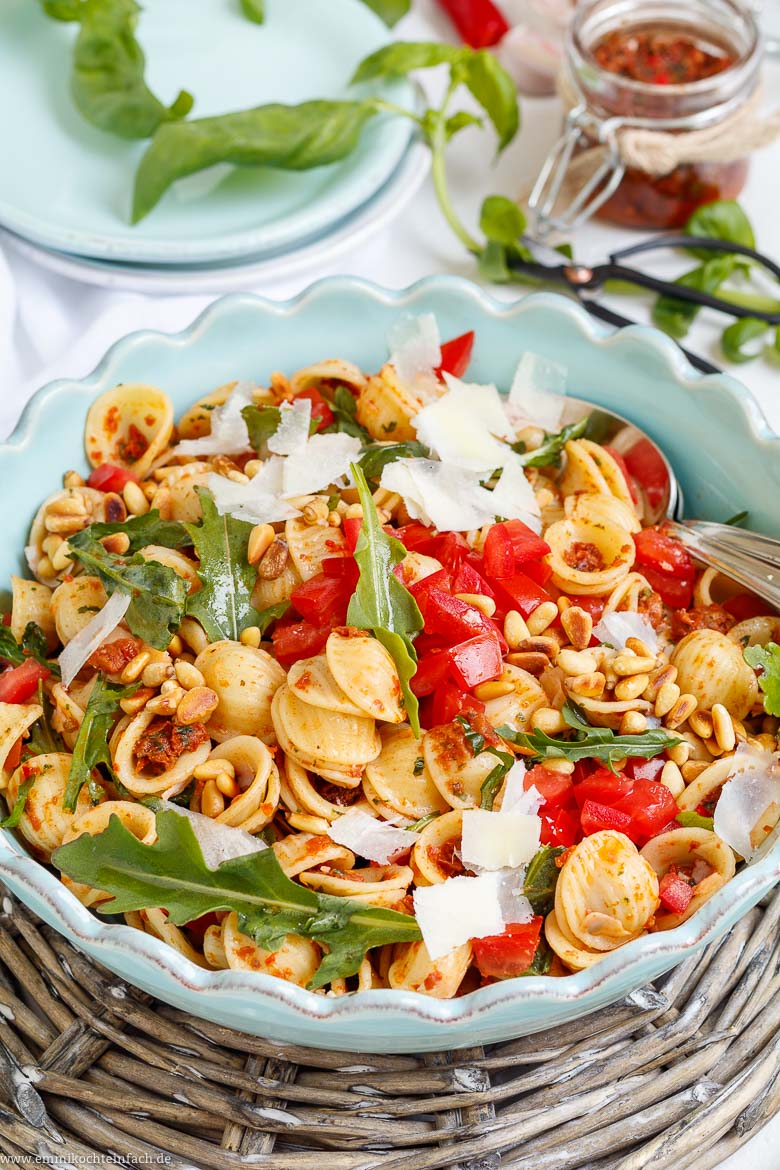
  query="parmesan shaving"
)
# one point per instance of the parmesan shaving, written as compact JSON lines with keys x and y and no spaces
{"x":323,"y":461}
{"x":415,"y":352}
{"x":217,"y":842}
{"x":94,"y":634}
{"x":370,"y":838}
{"x":538,"y":393}
{"x":515,"y":797}
{"x":228,"y":435}
{"x":749,"y":796}
{"x":456,"y":910}
{"x":447,"y":498}
{"x":250,"y":501}
{"x":499,"y":840}
{"x":464,"y":427}
{"x":617,"y":628}
{"x":292,"y":434}
{"x":513,"y":497}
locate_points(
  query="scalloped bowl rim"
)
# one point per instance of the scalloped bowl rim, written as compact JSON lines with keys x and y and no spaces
{"x":74,"y":920}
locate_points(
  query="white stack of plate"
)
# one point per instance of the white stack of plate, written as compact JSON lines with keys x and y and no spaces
{"x":66,"y":187}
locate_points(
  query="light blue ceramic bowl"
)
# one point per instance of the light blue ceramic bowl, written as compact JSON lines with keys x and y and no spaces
{"x":722,"y":449}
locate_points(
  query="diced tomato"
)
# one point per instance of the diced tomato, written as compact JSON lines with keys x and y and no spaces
{"x":676,"y":592}
{"x":421,"y":590}
{"x":198,"y":927}
{"x":656,"y":549}
{"x":538,"y":571}
{"x":650,"y":807}
{"x":559,"y":813}
{"x":476,"y":661}
{"x":432,"y":670}
{"x":603,"y":787}
{"x":468,"y":579}
{"x":20,"y":683}
{"x":560,"y":826}
{"x":294,"y":640}
{"x":596,"y":817}
{"x":413,"y":535}
{"x":521,"y":593}
{"x":108,"y":478}
{"x":322,"y":599}
{"x":555,"y":787}
{"x":448,"y":547}
{"x":351,"y":526}
{"x":645,"y":464}
{"x":502,"y":956}
{"x":452,"y":618}
{"x":320,"y":411}
{"x":641,"y":769}
{"x":456,"y":355}
{"x":510,"y":545}
{"x":447,"y":702}
{"x":619,"y":459}
{"x":746,"y":605}
{"x":675,"y":893}
{"x":14,"y":755}
{"x":344,"y":568}
{"x":592,"y":605}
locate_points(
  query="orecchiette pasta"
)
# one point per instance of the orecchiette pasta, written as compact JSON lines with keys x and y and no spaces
{"x":506,"y":725}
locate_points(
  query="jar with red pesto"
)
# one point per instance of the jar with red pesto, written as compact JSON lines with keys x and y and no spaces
{"x":673,"y":67}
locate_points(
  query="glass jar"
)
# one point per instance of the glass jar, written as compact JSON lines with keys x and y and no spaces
{"x":652,"y":65}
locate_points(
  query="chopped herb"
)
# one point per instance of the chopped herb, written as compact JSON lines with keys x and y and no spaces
{"x":542,"y":960}
{"x":419,"y":766}
{"x":495,"y":778}
{"x":737,"y":519}
{"x":344,"y":407}
{"x":541,"y":878}
{"x":475,"y":741}
{"x":17,"y":812}
{"x":32,"y":645}
{"x":423,"y":822}
{"x":261,"y":423}
{"x":43,"y":738}
{"x":766,"y":660}
{"x":549,"y":453}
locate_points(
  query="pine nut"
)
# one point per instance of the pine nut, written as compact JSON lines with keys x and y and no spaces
{"x":212,"y":802}
{"x":175,"y":646}
{"x":633,"y":723}
{"x":45,"y":568}
{"x":667,"y":696}
{"x":723,"y":728}
{"x":587,"y":686}
{"x":658,"y":677}
{"x":135,"y":500}
{"x":540,"y":645}
{"x":135,"y":667}
{"x":679,"y":753}
{"x":354,"y":512}
{"x":193,"y":634}
{"x":563,"y":603}
{"x":529,"y":661}
{"x":495,"y":689}
{"x":60,"y":559}
{"x":213,"y":768}
{"x":576,"y":662}
{"x":480,"y":601}
{"x":197,"y":706}
{"x":65,"y":525}
{"x":542,"y":617}
{"x":260,"y":539}
{"x":117,"y":542}
{"x":766,"y":741}
{"x":73,"y":504}
{"x":515,"y":629}
{"x":251,"y":636}
{"x":638,"y":646}
{"x":682,"y":710}
{"x":114,"y":509}
{"x":189,"y":676}
{"x":700,"y":722}
{"x":51,"y":543}
{"x":692,"y":769}
{"x":631,"y":688}
{"x":672,"y":777}
{"x":72,"y":479}
{"x":628,"y":664}
{"x":334,"y":519}
{"x":577,"y":625}
{"x":137,"y":701}
{"x":227,"y":785}
{"x":273,"y":561}
{"x":548,"y":720}
{"x":306,"y":823}
{"x":565,"y":767}
{"x":155,"y":674}
{"x":252,"y":467}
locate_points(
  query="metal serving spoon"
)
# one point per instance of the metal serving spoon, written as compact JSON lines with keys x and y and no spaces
{"x":749,"y":558}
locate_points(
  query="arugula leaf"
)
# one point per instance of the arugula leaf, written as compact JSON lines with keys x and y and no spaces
{"x":676,"y":317}
{"x":722,"y":220}
{"x":549,"y":453}
{"x":375,"y":458}
{"x":737,"y":335}
{"x":402,"y":57}
{"x":344,"y":407}
{"x":91,"y":746}
{"x":693,"y":820}
{"x":261,"y":423}
{"x":43,"y":738}
{"x":490,"y":785}
{"x":33,"y":645}
{"x":142,"y":531}
{"x":541,"y":878}
{"x":107,"y":81}
{"x":492,"y":263}
{"x":223,"y":604}
{"x":17,"y":812}
{"x":291,"y":138}
{"x":766,"y":660}
{"x":158,"y":594}
{"x":254,"y":10}
{"x":390,"y":11}
{"x":172,"y":873}
{"x":10,"y":650}
{"x":590,"y":743}
{"x":271,"y":613}
{"x":380,"y":602}
{"x":495,"y":91}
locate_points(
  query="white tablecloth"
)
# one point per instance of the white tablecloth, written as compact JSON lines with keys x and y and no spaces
{"x":51,"y":326}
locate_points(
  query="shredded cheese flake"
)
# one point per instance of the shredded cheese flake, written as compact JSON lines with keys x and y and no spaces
{"x":370,"y":838}
{"x":94,"y":634}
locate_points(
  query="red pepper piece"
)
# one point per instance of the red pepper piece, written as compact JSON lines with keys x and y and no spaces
{"x":432,"y":670}
{"x":509,"y":546}
{"x":351,"y":526}
{"x":447,"y":702}
{"x":746,"y":605}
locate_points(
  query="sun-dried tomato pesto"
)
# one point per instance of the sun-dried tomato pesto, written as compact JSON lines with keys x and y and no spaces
{"x":162,"y":744}
{"x":658,"y":56}
{"x":134,"y":445}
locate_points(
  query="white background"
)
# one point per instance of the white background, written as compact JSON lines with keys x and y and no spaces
{"x":51,"y":326}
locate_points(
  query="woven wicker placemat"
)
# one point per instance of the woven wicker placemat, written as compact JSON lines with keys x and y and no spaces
{"x":676,"y":1077}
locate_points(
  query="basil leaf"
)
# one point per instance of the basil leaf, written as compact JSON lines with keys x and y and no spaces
{"x":380,"y":602}
{"x":541,"y":878}
{"x":63,"y":9}
{"x":549,"y":453}
{"x":542,"y":960}
{"x":261,"y":423}
{"x":722,"y":220}
{"x":492,"y":263}
{"x":457,"y":122}
{"x":374,"y":459}
{"x":91,"y":747}
{"x":223,"y":604}
{"x":292,"y":138}
{"x":17,"y":812}
{"x":254,"y":10}
{"x":157,"y":593}
{"x":676,"y":317}
{"x":141,"y":531}
{"x":495,"y":778}
{"x":737,"y":335}
{"x":401,"y":57}
{"x":172,"y":873}
{"x":107,"y":82}
{"x":473,"y":738}
{"x":494,"y":90}
{"x":501,"y":220}
{"x":693,"y":820}
{"x":344,"y":407}
{"x":390,"y":11}
{"x":737,"y":519}
{"x":766,"y":660}
{"x":423,"y":822}
{"x":591,"y":743}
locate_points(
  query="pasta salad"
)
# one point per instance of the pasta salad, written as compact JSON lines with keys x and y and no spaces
{"x":381,"y":680}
